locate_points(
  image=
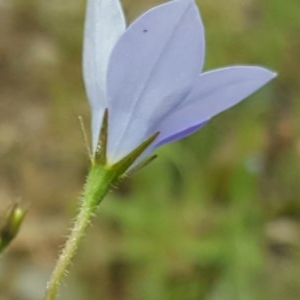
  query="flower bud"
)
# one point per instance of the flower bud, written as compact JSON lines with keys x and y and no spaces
{"x":11,"y":225}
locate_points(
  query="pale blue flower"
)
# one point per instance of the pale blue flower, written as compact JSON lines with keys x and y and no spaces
{"x":149,"y":75}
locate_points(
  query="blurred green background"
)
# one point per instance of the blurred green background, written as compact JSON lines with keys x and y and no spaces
{"x":216,"y":217}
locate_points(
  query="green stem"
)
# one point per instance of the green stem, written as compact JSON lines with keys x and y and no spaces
{"x":97,"y":186}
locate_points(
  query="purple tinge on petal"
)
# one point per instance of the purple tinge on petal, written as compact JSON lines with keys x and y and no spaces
{"x":180,"y":135}
{"x":160,"y":53}
{"x":212,"y":93}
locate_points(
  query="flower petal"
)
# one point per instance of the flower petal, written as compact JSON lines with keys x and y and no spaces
{"x":213,"y":92}
{"x":160,"y":54}
{"x":104,"y":24}
{"x":179,"y":135}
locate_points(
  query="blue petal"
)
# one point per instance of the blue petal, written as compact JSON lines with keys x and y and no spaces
{"x":104,"y":24}
{"x":159,"y":55}
{"x":179,"y":135}
{"x":212,"y":93}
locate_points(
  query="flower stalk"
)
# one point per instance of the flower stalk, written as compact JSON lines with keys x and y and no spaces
{"x":97,"y":186}
{"x":101,"y":178}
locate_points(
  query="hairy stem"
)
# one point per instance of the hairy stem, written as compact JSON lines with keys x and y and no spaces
{"x":97,"y":185}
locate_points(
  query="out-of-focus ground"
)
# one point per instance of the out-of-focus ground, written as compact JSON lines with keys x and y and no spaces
{"x":216,"y":217}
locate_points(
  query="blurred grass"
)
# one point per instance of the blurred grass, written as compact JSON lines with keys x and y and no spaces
{"x":215,"y":217}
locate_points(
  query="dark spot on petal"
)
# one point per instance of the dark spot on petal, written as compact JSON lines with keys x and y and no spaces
{"x":145,"y":30}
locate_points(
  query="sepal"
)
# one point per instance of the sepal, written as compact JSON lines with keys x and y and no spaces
{"x":125,"y":163}
{"x":100,"y":154}
{"x":120,"y":167}
{"x":145,"y":162}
